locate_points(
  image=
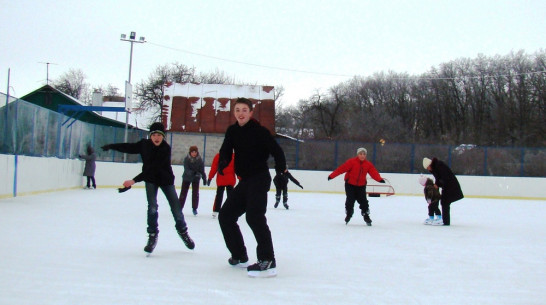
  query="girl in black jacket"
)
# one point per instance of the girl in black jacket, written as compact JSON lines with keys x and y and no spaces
{"x":156,"y":173}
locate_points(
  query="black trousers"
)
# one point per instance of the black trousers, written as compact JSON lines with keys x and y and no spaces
{"x":446,"y":217}
{"x":250,"y":197}
{"x":220,"y":196}
{"x":355,"y":193}
{"x":433,"y":208}
{"x":91,"y":179}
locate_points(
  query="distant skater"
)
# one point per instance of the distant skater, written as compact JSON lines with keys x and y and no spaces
{"x":194,"y":171}
{"x":356,"y":170}
{"x":281,"y":184}
{"x":432,"y":196}
{"x":445,"y":179}
{"x":90,"y":166}
{"x":224,"y":182}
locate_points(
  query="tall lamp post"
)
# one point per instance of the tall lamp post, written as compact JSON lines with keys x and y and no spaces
{"x":128,"y":87}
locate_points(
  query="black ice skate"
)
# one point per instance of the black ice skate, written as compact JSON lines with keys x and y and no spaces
{"x":239,"y":263}
{"x":277,"y":200}
{"x":285,"y":203}
{"x":152,"y":242}
{"x":367,"y":218}
{"x":186,"y":239}
{"x":262,"y":269}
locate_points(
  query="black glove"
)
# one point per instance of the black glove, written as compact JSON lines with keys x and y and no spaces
{"x":204,"y":181}
{"x":80,"y":156}
{"x":123,"y":189}
{"x":208,"y":182}
{"x":300,"y":186}
{"x":329,"y":178}
{"x":382,"y":181}
{"x":106,"y":147}
{"x":221,"y":165}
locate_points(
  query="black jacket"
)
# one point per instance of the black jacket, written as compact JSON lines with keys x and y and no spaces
{"x":281,"y":180}
{"x":451,"y":190}
{"x":252,"y":145}
{"x":156,"y":160}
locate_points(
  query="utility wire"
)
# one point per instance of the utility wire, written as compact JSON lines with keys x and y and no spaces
{"x":334,"y":74}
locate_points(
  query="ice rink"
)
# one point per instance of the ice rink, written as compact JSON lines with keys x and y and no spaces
{"x":85,"y":247}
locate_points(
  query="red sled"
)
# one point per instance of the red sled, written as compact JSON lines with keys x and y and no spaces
{"x":376,"y":189}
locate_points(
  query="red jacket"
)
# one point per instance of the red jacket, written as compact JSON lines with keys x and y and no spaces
{"x":228,"y":178}
{"x":356,"y":171}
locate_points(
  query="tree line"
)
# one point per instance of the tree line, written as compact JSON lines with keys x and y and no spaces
{"x":490,"y":101}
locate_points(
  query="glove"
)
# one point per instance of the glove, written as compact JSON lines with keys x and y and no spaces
{"x":221,"y":165}
{"x":382,"y":181}
{"x":123,"y":189}
{"x":329,"y":178}
{"x":208,"y":182}
{"x":204,"y":181}
{"x":80,"y":156}
{"x":106,"y":147}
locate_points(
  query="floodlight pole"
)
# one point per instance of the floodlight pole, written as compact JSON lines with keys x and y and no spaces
{"x":132,"y":40}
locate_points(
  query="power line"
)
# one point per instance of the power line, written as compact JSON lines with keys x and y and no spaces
{"x":338,"y":75}
{"x":249,"y":64}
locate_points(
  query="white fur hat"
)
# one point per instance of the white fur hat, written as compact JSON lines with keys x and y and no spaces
{"x":426,"y":162}
{"x":361,"y":149}
{"x":422,"y":180}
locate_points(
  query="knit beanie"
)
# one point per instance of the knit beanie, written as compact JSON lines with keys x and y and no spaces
{"x":361,"y":149}
{"x":157,"y":127}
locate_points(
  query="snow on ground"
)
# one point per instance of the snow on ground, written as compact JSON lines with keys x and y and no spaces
{"x":85,"y":247}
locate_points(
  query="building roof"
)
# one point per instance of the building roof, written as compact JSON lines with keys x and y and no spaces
{"x":51,"y":98}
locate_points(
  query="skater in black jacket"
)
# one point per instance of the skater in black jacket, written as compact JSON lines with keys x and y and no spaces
{"x":252,"y":145}
{"x":156,"y":173}
{"x":445,"y":179}
{"x":281,"y":184}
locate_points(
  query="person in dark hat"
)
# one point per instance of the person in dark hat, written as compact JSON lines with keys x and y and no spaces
{"x":194,"y":171}
{"x":157,"y":174}
{"x":445,"y":179}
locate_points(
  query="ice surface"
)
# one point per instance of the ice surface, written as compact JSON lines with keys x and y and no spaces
{"x":86,"y":247}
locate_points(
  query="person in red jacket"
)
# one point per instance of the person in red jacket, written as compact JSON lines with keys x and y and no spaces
{"x":356,"y":169}
{"x":223,"y":182}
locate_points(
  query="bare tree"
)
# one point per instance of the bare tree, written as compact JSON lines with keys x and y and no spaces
{"x":73,"y":83}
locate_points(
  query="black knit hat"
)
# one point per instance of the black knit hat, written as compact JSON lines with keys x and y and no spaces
{"x":157,"y":127}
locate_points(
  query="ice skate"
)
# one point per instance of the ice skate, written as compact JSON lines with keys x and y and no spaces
{"x":238,"y":263}
{"x":438,"y":221}
{"x":152,"y":242}
{"x":186,"y":239}
{"x":367,"y":219}
{"x":429,"y":220}
{"x":262,"y":269}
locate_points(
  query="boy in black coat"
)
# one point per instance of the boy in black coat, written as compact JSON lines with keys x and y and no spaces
{"x":156,"y":173}
{"x":444,"y":178}
{"x":281,"y":184}
{"x":252,"y":145}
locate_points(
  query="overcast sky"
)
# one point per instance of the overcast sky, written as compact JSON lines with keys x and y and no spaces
{"x":304,"y":46}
